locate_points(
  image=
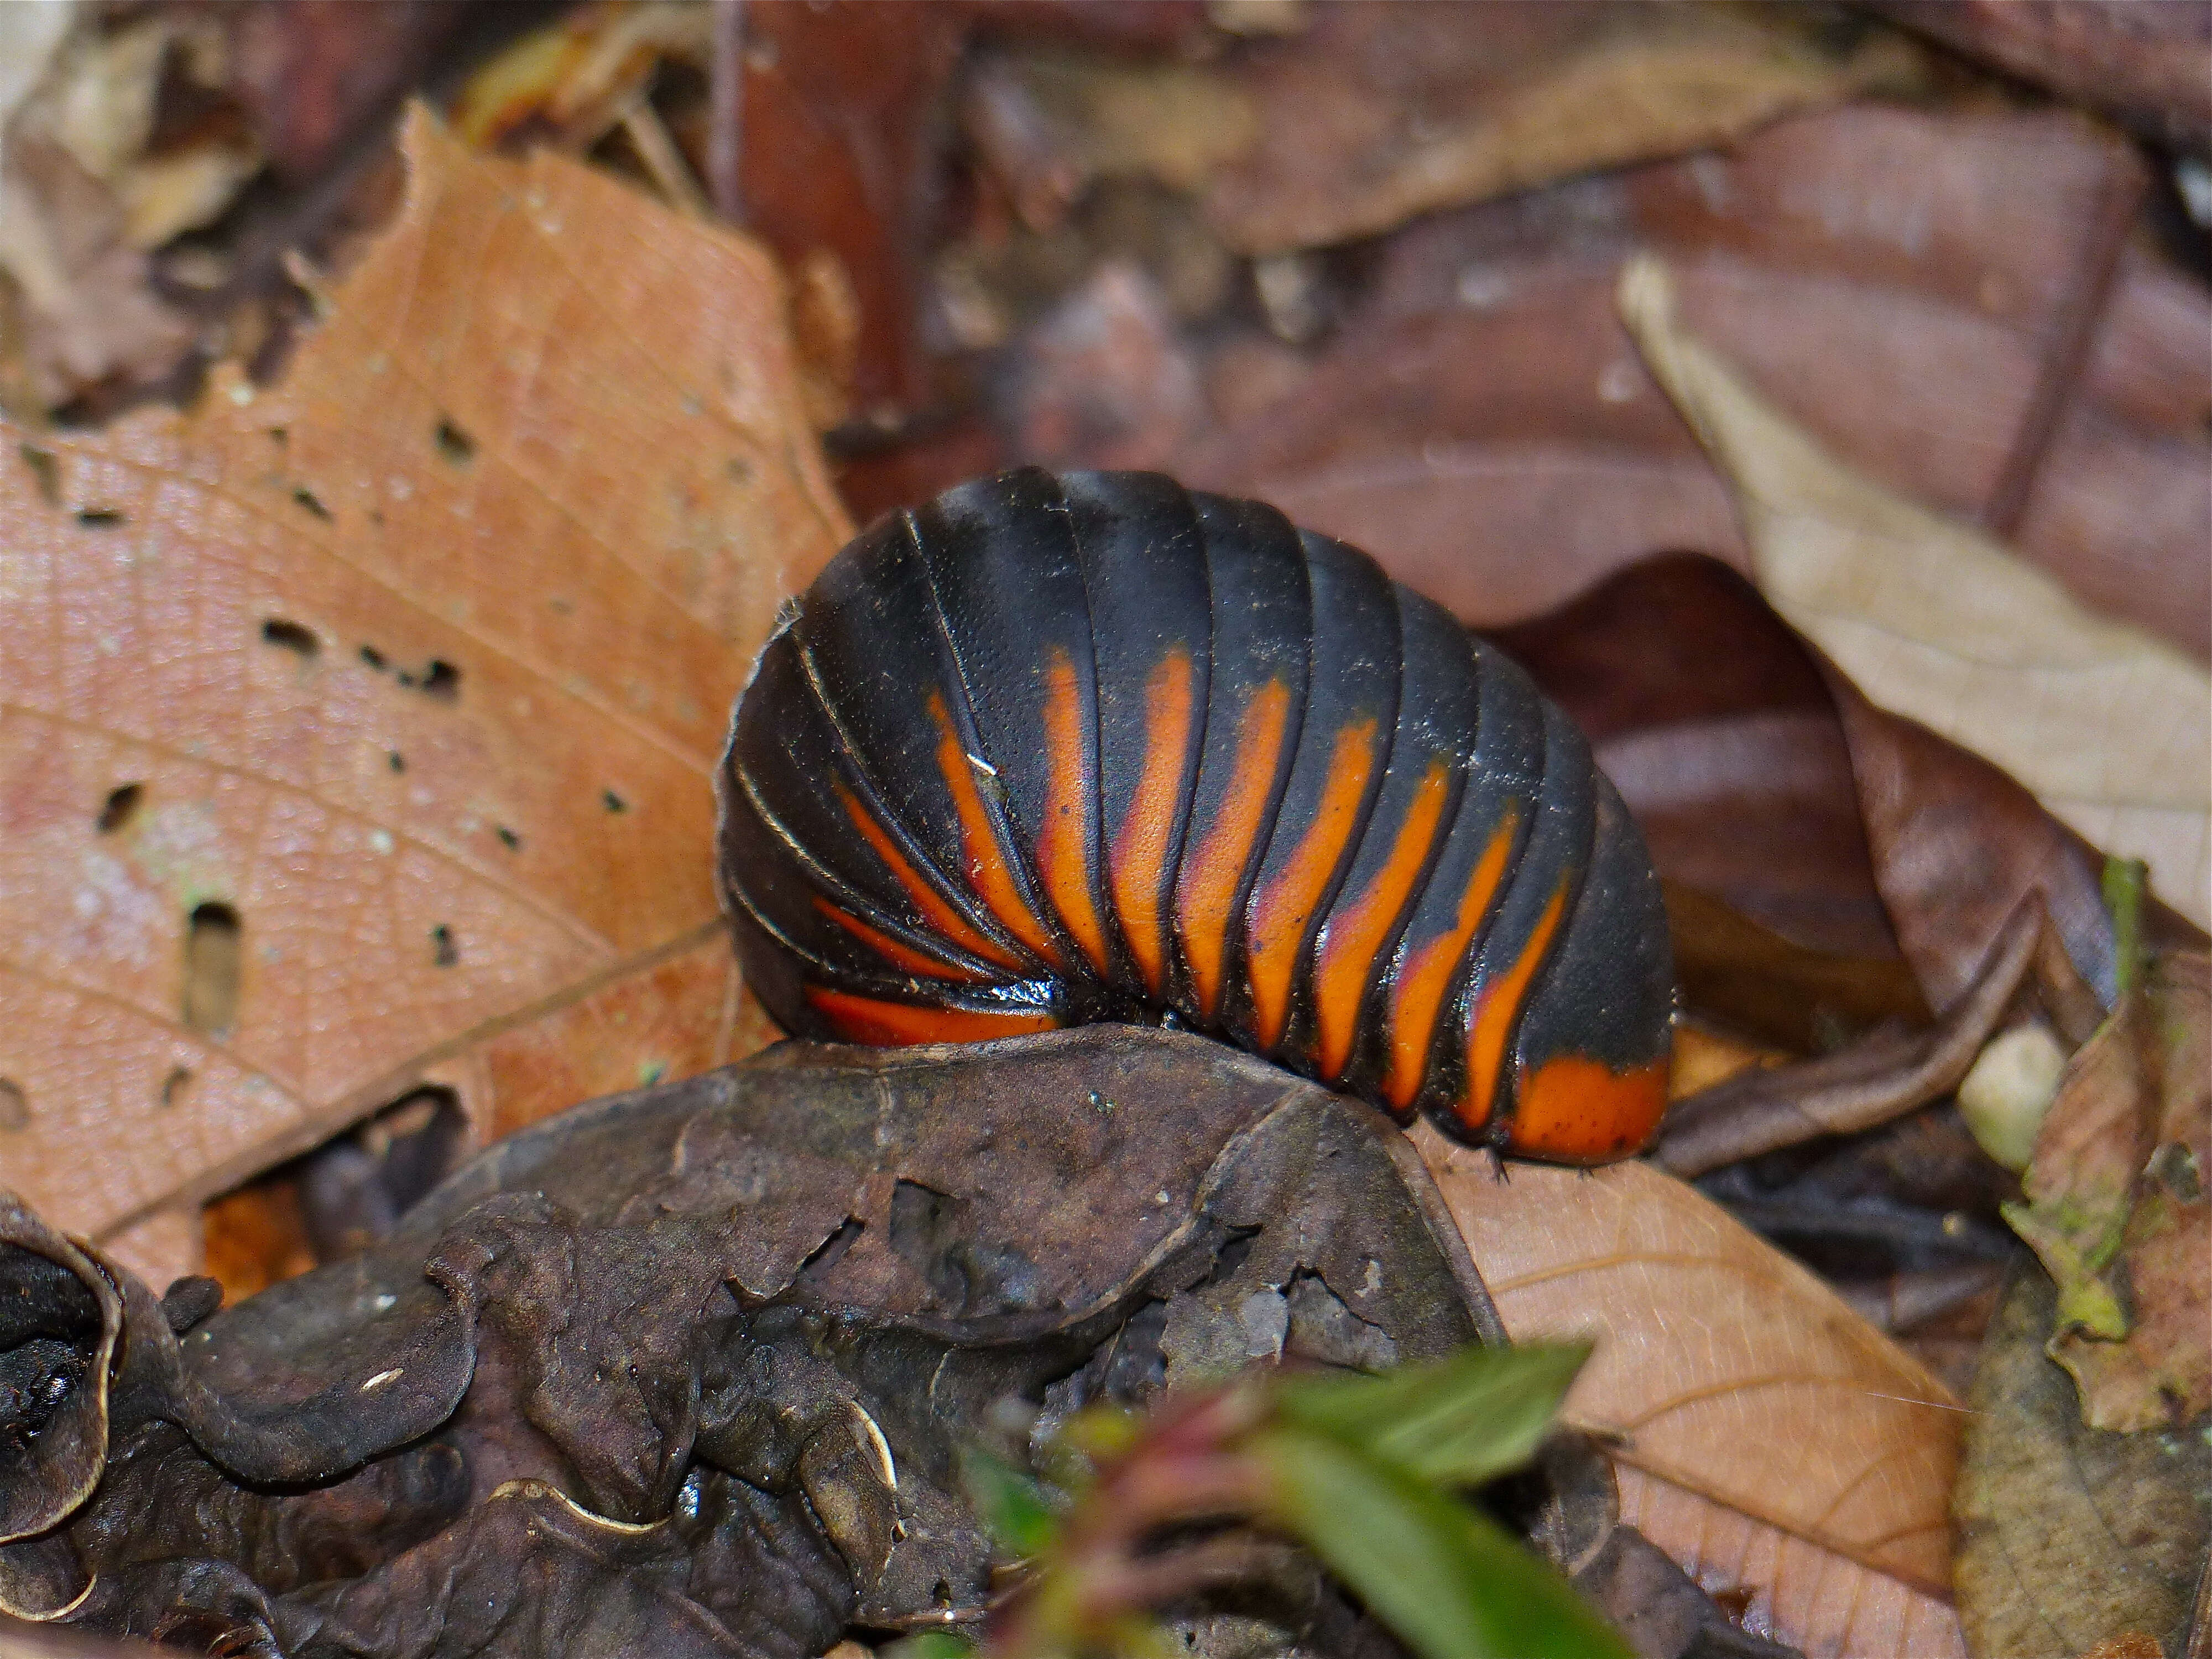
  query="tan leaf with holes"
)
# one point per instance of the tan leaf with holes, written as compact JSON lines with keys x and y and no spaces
{"x":360,"y":729}
{"x":1773,"y":1442}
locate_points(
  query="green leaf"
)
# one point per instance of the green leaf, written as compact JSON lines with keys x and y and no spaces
{"x":1459,"y":1422}
{"x":1450,"y":1582}
{"x":1012,"y":1505}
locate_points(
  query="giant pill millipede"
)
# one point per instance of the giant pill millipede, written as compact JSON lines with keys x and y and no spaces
{"x":1060,"y":749}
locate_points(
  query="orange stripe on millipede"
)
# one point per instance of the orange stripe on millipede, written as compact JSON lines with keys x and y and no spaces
{"x":1281,"y":909}
{"x":896,"y":1024}
{"x":1418,"y":993}
{"x":1063,"y":862}
{"x":1139,"y":863}
{"x":1495,"y":1012}
{"x":931,"y":902}
{"x":987,"y":873}
{"x":1346,"y":959}
{"x":1207,"y":889}
{"x":895,"y":952}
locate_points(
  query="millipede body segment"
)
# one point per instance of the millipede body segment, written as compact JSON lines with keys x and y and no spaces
{"x":1090,"y":746}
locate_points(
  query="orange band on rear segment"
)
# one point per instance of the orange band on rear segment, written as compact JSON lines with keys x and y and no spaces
{"x":1063,"y":858}
{"x":1495,"y":1013}
{"x":987,"y":874}
{"x":1139,"y":863}
{"x":1208,"y":890}
{"x":1281,"y":910}
{"x":896,"y":951}
{"x":897,"y":1025}
{"x":1346,"y":959}
{"x":931,"y":902}
{"x":1575,"y":1110}
{"x":1417,"y":993}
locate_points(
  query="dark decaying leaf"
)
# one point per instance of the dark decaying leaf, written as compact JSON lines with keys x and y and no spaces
{"x":687,"y":1370}
{"x":2069,"y":1535}
{"x":59,"y":1324}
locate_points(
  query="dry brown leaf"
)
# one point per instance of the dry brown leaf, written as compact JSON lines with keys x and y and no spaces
{"x":1726,"y":1371}
{"x":407,"y":678}
{"x":2110,"y":727}
{"x":1050,"y":125}
{"x":1819,"y":1601}
{"x":1383,"y":111}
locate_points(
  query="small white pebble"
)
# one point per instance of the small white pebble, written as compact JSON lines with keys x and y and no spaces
{"x":381,"y":1378}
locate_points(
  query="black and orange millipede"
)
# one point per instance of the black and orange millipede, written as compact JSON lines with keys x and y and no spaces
{"x":1056,"y":749}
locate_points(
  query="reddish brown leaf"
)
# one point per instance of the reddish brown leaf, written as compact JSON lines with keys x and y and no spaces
{"x":2151,"y":65}
{"x":396,"y":688}
{"x":314,"y":72}
{"x":1897,"y":280}
{"x":834,"y":157}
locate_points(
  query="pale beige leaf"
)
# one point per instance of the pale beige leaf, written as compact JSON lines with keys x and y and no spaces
{"x":1731,"y":1373}
{"x":2110,"y":727}
{"x":416,"y":667}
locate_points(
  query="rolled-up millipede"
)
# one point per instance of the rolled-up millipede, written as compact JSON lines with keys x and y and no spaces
{"x":1056,"y":749}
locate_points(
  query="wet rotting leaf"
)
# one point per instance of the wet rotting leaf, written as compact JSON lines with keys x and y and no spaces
{"x":688,"y":1370}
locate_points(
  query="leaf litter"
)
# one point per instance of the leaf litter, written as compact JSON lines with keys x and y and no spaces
{"x":1874,"y":918}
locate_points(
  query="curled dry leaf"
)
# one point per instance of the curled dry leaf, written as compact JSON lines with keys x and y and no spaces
{"x":1762,"y":778}
{"x":1882,"y":1076}
{"x":2108,"y":726}
{"x":1768,"y":1437}
{"x":362,"y":725}
{"x":2069,"y":1535}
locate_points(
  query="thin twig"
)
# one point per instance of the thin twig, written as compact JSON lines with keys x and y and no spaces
{"x":672,"y":174}
{"x":726,"y":112}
